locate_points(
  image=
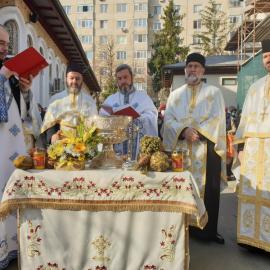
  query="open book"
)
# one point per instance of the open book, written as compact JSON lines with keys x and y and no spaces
{"x":28,"y":62}
{"x":126,"y":110}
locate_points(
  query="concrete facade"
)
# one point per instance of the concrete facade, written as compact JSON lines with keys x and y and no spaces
{"x":131,"y":25}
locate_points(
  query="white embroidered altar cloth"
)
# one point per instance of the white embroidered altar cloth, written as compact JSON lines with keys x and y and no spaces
{"x":109,"y":220}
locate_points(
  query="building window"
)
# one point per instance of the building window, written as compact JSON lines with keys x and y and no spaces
{"x":235,"y":3}
{"x":197,"y":40}
{"x":103,"y":8}
{"x":89,"y":55}
{"x":156,"y":26}
{"x":140,"y":38}
{"x":12,"y":29}
{"x":85,"y":23}
{"x":234,"y":19}
{"x":140,"y":86}
{"x":157,"y":10}
{"x":141,"y":7}
{"x":84,"y":8}
{"x":86,"y":39}
{"x":67,"y":9}
{"x":218,"y":7}
{"x":121,"y":55}
{"x":197,"y":24}
{"x":140,"y":54}
{"x":139,"y":70}
{"x":103,"y":39}
{"x":197,"y":8}
{"x":121,"y":39}
{"x":228,"y":81}
{"x":140,"y":22}
{"x":177,"y":8}
{"x":121,"y":7}
{"x":121,"y":24}
{"x":103,"y":56}
{"x":29,"y":41}
{"x":103,"y":24}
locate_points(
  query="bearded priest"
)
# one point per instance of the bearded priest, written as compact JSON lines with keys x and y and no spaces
{"x":68,"y":106}
{"x":195,"y":120}
{"x":127,"y":94}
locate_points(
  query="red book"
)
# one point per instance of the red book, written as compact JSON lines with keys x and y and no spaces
{"x":28,"y":62}
{"x":126,"y":110}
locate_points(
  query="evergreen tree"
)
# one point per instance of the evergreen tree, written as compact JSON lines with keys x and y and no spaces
{"x":166,"y":46}
{"x":215,"y":22}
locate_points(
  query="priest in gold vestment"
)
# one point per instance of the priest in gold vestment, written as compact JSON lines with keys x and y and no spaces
{"x":253,"y":135}
{"x":68,"y":106}
{"x":195,"y":120}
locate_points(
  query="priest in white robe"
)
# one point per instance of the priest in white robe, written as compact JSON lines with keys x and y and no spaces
{"x":69,"y":106}
{"x":195,"y":120}
{"x":19,"y":122}
{"x":146,"y":123}
{"x":253,"y":137}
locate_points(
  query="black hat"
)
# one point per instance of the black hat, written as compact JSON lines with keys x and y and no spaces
{"x":196,"y":57}
{"x":74,"y":67}
{"x":266,"y":45}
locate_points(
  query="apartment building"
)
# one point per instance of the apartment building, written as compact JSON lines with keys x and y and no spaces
{"x":130,"y":26}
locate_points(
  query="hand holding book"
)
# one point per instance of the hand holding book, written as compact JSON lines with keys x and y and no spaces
{"x":126,"y":110}
{"x":28,"y":62}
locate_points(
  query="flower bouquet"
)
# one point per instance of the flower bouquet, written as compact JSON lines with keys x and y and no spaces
{"x":75,"y":148}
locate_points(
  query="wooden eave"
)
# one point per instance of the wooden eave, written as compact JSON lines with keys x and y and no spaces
{"x":54,"y":20}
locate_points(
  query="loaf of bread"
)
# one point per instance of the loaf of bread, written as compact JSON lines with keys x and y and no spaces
{"x":23,"y":162}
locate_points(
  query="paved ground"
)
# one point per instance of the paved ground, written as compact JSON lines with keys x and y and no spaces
{"x":212,"y":256}
{"x":230,"y":256}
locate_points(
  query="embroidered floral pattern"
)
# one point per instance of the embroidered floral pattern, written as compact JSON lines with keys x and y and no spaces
{"x":80,"y":187}
{"x":99,"y":268}
{"x":168,"y":244}
{"x":33,"y":240}
{"x":248,"y":218}
{"x":266,"y":224}
{"x":101,"y":245}
{"x":151,"y":267}
{"x":50,"y":266}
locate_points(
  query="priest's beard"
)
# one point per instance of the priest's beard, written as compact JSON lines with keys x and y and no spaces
{"x":73,"y":91}
{"x":125,"y":87}
{"x":192,"y":79}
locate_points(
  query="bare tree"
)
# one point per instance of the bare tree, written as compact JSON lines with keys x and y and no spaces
{"x":106,"y":69}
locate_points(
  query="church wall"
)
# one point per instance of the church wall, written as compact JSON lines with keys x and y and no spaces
{"x":17,"y":10}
